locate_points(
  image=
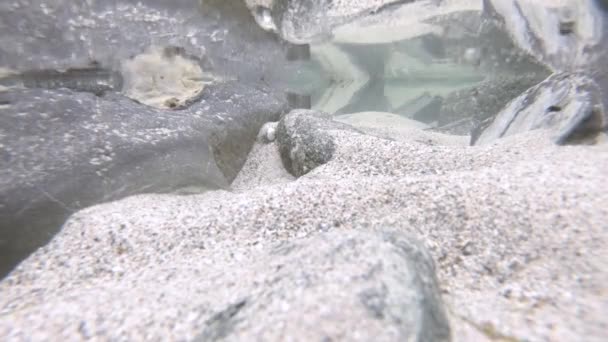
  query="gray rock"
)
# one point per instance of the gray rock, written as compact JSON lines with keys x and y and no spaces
{"x":58,"y":35}
{"x":499,"y":52}
{"x":62,"y":148}
{"x":538,"y":29}
{"x":63,"y":151}
{"x":598,"y":68}
{"x":377,"y":286}
{"x":464,"y":109}
{"x":303,"y":141}
{"x":568,"y":104}
{"x":312,"y":20}
{"x":516,"y":230}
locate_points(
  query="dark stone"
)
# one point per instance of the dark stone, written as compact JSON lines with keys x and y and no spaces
{"x":566,"y":27}
{"x":577,"y":117}
{"x":303,"y":141}
{"x":61,"y":34}
{"x":94,"y":80}
{"x":335,"y":276}
{"x":603,"y":4}
{"x":63,"y":151}
{"x":298,"y":52}
{"x":473,"y":105}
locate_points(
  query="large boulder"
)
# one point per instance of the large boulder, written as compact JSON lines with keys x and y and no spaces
{"x":516,"y":230}
{"x":42,"y":34}
{"x":63,"y":151}
{"x":102,"y":100}
{"x":569,"y":38}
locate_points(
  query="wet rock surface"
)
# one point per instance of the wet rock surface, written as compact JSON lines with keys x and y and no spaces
{"x":38,"y":34}
{"x":303,"y":143}
{"x":63,"y":151}
{"x":77,"y":95}
{"x":306,"y":21}
{"x":567,"y":103}
{"x":463,"y":111}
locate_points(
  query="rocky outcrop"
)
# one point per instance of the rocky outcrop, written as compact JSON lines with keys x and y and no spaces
{"x":98,"y":105}
{"x":330,"y":285}
{"x":569,"y":104}
{"x":515,"y":229}
{"x":566,"y":37}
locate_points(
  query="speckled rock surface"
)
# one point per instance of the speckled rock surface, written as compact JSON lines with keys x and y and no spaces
{"x":312,"y":20}
{"x":570,"y":105}
{"x":517,"y":230}
{"x":70,"y":137}
{"x":482,"y":101}
{"x":303,"y":141}
{"x":383,"y":235}
{"x":63,"y":151}
{"x":263,"y":167}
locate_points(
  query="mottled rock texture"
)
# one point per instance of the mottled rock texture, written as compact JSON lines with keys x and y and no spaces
{"x":69,"y":135}
{"x":516,"y":229}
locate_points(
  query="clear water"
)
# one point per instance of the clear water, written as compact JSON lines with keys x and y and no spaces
{"x":423,"y":60}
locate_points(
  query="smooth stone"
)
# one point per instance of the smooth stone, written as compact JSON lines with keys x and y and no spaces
{"x":568,"y":104}
{"x":63,"y":151}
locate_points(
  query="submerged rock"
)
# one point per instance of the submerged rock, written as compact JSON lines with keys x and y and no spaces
{"x":163,"y":78}
{"x":349,"y":284}
{"x":568,"y":104}
{"x":462,"y":110}
{"x":303,"y":141}
{"x":63,"y":151}
{"x":560,"y":34}
{"x":69,"y":138}
{"x":515,"y":229}
{"x":570,"y":101}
